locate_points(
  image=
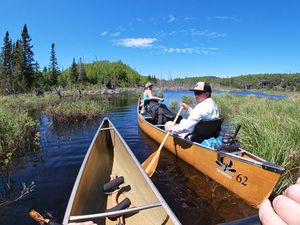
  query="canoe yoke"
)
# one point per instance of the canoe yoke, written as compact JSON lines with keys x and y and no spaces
{"x":113,"y":188}
{"x":118,"y":212}
{"x":125,"y":203}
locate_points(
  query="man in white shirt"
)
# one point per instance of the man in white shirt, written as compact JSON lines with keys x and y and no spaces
{"x":206,"y":109}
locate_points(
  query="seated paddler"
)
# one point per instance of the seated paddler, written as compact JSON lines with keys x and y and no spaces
{"x":206,"y":109}
{"x":148,"y":96}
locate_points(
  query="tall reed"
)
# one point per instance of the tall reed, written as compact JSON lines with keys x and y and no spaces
{"x":270,"y":129}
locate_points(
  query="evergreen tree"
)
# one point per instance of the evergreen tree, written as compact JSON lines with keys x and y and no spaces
{"x":17,"y":66}
{"x":53,"y":67}
{"x":82,"y":74}
{"x":28,"y":58}
{"x":6,"y":64}
{"x":74,"y":72}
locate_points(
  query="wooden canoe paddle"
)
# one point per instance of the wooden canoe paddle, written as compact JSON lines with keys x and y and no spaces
{"x":151,"y":162}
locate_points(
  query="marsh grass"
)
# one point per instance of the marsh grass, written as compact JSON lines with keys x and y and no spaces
{"x":75,"y":110}
{"x":19,"y":119}
{"x":270,"y":129}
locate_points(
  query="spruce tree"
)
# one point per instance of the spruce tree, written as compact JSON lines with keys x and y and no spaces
{"x":53,"y":67}
{"x":17,"y":67}
{"x":28,"y":58}
{"x":6,"y":64}
{"x":74,"y":72}
{"x":82,"y":74}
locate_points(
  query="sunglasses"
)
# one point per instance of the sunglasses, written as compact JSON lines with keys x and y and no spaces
{"x":198,"y":93}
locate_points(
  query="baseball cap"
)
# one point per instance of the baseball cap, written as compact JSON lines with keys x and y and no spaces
{"x":202,"y":86}
{"x":149,"y":84}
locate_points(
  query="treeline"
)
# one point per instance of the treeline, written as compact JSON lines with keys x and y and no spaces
{"x":19,"y":72}
{"x":283,"y":82}
{"x":116,"y":74}
{"x":17,"y":68}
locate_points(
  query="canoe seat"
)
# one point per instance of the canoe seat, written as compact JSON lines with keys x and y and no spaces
{"x":205,"y":129}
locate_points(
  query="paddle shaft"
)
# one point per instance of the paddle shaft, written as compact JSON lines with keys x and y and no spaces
{"x":166,"y":136}
{"x":150,"y":168}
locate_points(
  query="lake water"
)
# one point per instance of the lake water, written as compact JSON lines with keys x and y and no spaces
{"x":194,"y":198}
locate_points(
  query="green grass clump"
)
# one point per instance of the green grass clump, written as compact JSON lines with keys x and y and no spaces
{"x":270,"y":129}
{"x":18,"y":132}
{"x":70,"y":111}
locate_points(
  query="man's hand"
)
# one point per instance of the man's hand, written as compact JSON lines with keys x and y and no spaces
{"x":285,"y":210}
{"x":184,"y":105}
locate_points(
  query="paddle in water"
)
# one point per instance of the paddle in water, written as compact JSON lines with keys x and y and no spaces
{"x":151,"y":162}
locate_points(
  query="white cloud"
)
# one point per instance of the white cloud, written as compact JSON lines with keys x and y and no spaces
{"x":200,"y":51}
{"x":136,"y":42}
{"x":104,"y":33}
{"x":115,"y":34}
{"x":201,"y":33}
{"x":171,"y":18}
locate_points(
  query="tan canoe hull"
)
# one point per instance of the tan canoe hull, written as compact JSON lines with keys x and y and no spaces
{"x":109,"y":154}
{"x":240,"y":172}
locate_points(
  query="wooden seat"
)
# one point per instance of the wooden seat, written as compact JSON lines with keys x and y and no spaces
{"x":206,"y":129}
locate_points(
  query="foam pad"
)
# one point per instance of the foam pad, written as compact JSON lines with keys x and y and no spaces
{"x":113,"y":184}
{"x":122,"y":205}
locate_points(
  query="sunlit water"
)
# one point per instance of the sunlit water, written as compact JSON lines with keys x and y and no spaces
{"x":194,"y":198}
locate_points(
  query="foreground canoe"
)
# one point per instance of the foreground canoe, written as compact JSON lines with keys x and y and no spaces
{"x":247,"y":175}
{"x":109,"y":154}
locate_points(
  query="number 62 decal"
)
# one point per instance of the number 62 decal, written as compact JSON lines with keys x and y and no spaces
{"x":242,"y":179}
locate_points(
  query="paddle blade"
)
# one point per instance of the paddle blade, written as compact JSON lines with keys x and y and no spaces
{"x":150,"y":163}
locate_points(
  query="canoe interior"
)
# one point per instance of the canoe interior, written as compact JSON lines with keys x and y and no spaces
{"x":108,"y":155}
{"x":245,"y":174}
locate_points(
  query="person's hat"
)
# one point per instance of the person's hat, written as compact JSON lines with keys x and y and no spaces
{"x":149,"y":84}
{"x":202,"y":86}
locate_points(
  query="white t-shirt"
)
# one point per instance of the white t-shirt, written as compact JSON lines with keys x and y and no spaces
{"x":206,"y":110}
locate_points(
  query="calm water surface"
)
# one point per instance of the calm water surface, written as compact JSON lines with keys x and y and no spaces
{"x":194,"y":198}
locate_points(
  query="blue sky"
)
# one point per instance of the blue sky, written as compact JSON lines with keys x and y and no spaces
{"x":165,"y":38}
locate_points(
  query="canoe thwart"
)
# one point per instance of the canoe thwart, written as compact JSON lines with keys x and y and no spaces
{"x":113,"y":185}
{"x":107,"y":128}
{"x":116,"y":213}
{"x":125,"y":203}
